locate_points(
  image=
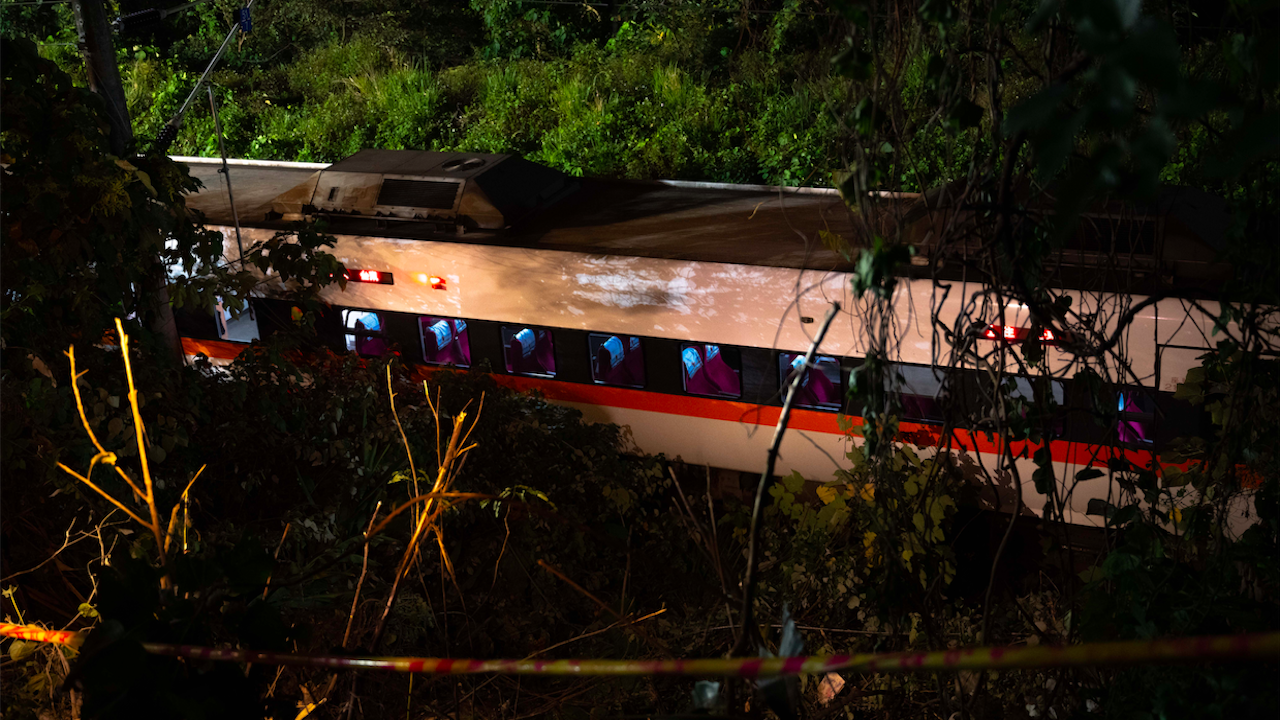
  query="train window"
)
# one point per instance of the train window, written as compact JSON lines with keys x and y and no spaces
{"x":445,"y":341}
{"x":921,"y":393}
{"x":1136,"y":424}
{"x":616,"y":359}
{"x":1024,"y":390}
{"x":711,"y":370}
{"x":820,"y":387}
{"x":366,"y":332}
{"x":528,"y":350}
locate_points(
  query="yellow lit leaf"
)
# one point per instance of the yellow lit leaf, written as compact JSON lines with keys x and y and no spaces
{"x":146,"y":181}
{"x":21,"y":649}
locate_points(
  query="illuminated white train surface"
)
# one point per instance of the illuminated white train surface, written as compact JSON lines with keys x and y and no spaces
{"x":676,"y":309}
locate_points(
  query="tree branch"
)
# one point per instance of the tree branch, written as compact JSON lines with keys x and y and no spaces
{"x":746,"y":624}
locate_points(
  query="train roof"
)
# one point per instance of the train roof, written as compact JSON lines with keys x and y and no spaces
{"x":750,"y":225}
{"x":1170,"y":245}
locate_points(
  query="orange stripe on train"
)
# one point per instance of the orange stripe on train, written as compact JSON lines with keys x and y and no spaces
{"x":731,"y":411}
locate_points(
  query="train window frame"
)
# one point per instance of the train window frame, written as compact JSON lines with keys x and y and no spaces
{"x":633,"y":357}
{"x":730,"y":357}
{"x":905,"y":387}
{"x":1024,"y":390}
{"x":1135,"y":428}
{"x":1059,"y":388}
{"x":462,"y":337}
{"x":351,"y":337}
{"x":821,"y":362}
{"x":508,"y":332}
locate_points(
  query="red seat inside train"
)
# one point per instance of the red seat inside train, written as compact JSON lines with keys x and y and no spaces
{"x":817,"y":389}
{"x":531,"y":351}
{"x":706,"y":372}
{"x":445,"y":342}
{"x":619,"y":361}
{"x":365,"y":344}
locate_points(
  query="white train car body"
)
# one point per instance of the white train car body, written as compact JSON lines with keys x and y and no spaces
{"x":649,"y":278}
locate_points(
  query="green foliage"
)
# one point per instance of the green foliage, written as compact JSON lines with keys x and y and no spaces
{"x":1106,"y":98}
{"x":517,"y":30}
{"x":87,"y":233}
{"x":876,"y":271}
{"x":662,"y":96}
{"x":867,"y":548}
{"x":311,"y":442}
{"x":83,"y":229}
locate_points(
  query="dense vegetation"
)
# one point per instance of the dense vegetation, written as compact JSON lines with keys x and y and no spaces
{"x":1017,"y":106}
{"x":698,"y":91}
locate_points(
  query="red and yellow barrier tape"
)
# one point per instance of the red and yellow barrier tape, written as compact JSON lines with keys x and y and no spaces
{"x":1265,"y":646}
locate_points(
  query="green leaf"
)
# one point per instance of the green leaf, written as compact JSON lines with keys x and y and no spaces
{"x":1092,"y":574}
{"x":22,"y":649}
{"x":835,"y":243}
{"x":1124,"y":515}
{"x":1175,"y":477}
{"x":146,"y":181}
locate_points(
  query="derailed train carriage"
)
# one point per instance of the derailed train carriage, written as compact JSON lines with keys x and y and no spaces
{"x":680,"y":309}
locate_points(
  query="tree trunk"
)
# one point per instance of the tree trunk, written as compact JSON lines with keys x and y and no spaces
{"x":104,"y":76}
{"x":104,"y":79}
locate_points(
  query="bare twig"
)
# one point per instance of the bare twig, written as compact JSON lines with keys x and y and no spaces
{"x":654,"y":642}
{"x":106,"y":495}
{"x":745,"y":615}
{"x":266,"y":588}
{"x":139,"y":432}
{"x":413,"y":472}
{"x":364,"y":569}
{"x":426,"y":521}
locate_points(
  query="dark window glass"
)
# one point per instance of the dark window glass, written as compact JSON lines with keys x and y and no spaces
{"x":820,"y":386}
{"x":710,"y":370}
{"x":921,"y":393}
{"x":616,"y":359}
{"x":366,"y":333}
{"x":1137,"y":418}
{"x":528,"y":350}
{"x":445,"y":341}
{"x":1024,"y":390}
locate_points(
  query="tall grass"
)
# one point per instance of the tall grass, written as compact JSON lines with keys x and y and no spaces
{"x":641,"y":109}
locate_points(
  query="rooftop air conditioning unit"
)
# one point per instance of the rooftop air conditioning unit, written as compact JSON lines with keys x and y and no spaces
{"x":460,"y":192}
